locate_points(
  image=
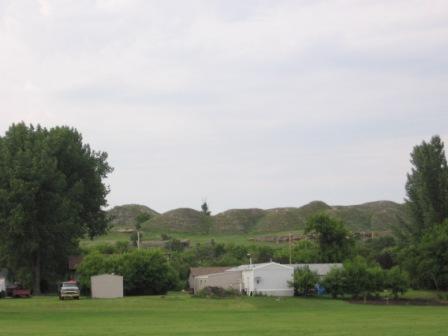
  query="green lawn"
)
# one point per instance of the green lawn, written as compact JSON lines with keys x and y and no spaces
{"x":179,"y":314}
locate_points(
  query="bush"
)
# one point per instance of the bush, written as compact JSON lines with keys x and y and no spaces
{"x":304,"y":281}
{"x":143,"y":271}
{"x":335,"y":283}
{"x":217,"y":292}
{"x":358,"y":279}
{"x":397,"y":281}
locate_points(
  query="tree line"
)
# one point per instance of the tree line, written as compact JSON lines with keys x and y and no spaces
{"x":53,"y":193}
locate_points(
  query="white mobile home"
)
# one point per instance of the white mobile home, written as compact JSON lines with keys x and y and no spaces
{"x":226,"y":280}
{"x":268,"y":279}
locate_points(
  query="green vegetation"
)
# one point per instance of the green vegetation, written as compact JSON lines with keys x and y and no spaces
{"x":334,"y":240}
{"x":361,"y":279}
{"x":51,"y":195}
{"x":178,"y":314}
{"x":143,"y":271}
{"x":304,"y":281}
{"x":375,"y":216}
{"x":424,"y":240}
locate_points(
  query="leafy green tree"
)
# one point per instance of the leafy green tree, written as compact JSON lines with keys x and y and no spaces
{"x":143,"y":271}
{"x":335,"y":282}
{"x":427,"y":186}
{"x":428,"y":259}
{"x":362,"y":279}
{"x":304,"y":281}
{"x":397,"y":281}
{"x":424,"y":242}
{"x":51,"y":195}
{"x":334,"y":240}
{"x":206,"y":219}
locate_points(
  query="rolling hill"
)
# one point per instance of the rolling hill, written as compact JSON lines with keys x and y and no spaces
{"x":373,"y":216}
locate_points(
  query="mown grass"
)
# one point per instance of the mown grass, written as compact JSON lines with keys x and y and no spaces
{"x":179,"y":314}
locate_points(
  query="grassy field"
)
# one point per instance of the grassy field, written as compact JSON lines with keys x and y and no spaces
{"x":238,"y":239}
{"x":179,"y":314}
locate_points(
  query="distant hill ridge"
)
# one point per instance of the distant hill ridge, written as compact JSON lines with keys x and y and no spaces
{"x":372,"y":216}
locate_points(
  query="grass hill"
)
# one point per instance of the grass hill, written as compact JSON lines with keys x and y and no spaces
{"x":123,"y":216}
{"x":373,"y":216}
{"x":177,"y":220}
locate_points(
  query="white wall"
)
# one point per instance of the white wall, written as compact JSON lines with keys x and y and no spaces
{"x":107,"y":286}
{"x":271,"y":279}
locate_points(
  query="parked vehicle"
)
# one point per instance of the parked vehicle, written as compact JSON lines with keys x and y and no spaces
{"x":70,"y":290}
{"x":18,"y":291}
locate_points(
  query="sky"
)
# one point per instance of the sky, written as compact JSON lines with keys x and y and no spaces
{"x":241,"y":103}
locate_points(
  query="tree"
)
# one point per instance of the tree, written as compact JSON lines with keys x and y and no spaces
{"x":205,"y":210}
{"x":304,"y":281}
{"x":206,"y":219}
{"x":424,"y":241}
{"x":51,"y":195}
{"x":427,"y":186}
{"x":143,"y":271}
{"x":335,"y":282}
{"x":427,"y":260}
{"x":397,"y":281}
{"x":362,"y":279}
{"x":335,"y":242}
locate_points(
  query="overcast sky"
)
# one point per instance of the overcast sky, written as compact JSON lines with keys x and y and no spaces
{"x":243,"y":103}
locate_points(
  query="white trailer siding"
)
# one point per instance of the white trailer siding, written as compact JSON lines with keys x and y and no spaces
{"x":107,"y":286}
{"x":226,"y":280}
{"x":268,"y":279}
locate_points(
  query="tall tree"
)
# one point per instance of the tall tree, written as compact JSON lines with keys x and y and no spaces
{"x":334,"y":240}
{"x":427,"y":186}
{"x":51,"y":195}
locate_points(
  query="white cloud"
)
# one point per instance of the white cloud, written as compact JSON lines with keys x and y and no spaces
{"x":249,"y":103}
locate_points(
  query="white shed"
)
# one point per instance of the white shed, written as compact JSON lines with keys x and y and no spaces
{"x":269,"y":279}
{"x":106,"y":286}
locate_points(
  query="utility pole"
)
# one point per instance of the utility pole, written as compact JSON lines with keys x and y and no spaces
{"x":290,"y":249}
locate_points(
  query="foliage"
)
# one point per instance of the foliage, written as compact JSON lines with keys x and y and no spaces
{"x":427,"y":186}
{"x":397,"y":281}
{"x":305,"y":251}
{"x":334,"y":240}
{"x":304,"y":281}
{"x":217,"y":292}
{"x":362,"y":280}
{"x":427,"y":259}
{"x":51,"y":195}
{"x":143,"y":271}
{"x":424,"y":242}
{"x":205,"y":210}
{"x":335,"y":283}
{"x":382,"y":250}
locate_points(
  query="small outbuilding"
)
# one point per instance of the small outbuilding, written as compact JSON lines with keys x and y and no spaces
{"x":106,"y":286}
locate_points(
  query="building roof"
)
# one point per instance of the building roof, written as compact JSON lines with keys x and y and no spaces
{"x":256,"y":266}
{"x":196,"y":271}
{"x":320,"y":269}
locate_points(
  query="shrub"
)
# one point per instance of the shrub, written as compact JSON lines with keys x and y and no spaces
{"x":397,"y":281}
{"x":217,"y":292}
{"x":335,"y":282}
{"x":143,"y":271}
{"x":304,"y":281}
